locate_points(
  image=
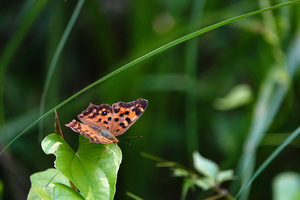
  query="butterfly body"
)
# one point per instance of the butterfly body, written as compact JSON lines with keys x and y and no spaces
{"x":108,"y":135}
{"x":102,"y":124}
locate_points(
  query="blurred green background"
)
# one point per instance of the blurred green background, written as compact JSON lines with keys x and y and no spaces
{"x":221,"y":93}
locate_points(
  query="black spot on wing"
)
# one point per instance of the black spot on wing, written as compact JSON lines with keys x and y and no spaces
{"x":128,"y":120}
{"x":104,"y":113}
{"x":103,"y":109}
{"x":122,"y":125}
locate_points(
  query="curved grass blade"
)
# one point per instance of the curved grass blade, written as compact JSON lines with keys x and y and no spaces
{"x":152,"y":53}
{"x":55,"y":59}
{"x":272,"y":93}
{"x":269,"y":160}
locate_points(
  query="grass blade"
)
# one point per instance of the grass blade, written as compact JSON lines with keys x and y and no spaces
{"x":152,"y":53}
{"x":269,"y":160}
{"x":55,"y":59}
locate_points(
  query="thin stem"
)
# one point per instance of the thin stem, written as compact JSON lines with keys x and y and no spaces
{"x":51,"y":180}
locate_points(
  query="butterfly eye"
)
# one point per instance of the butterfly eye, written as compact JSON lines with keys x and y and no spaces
{"x":104,"y":113}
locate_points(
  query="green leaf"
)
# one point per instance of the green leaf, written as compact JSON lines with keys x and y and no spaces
{"x":40,"y":180}
{"x":62,"y":192}
{"x":38,"y":193}
{"x":238,"y":96}
{"x":178,"y":172}
{"x":203,"y":183}
{"x":187,"y":185}
{"x":225,"y":176}
{"x":93,"y":179}
{"x":286,"y":186}
{"x":206,"y":167}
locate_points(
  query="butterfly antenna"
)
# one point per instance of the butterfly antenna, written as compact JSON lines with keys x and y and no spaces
{"x":125,"y":142}
{"x":136,"y":136}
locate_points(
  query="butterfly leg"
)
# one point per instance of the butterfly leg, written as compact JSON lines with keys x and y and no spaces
{"x":103,"y":153}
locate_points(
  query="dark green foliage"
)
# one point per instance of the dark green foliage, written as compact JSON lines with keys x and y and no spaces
{"x":183,"y":85}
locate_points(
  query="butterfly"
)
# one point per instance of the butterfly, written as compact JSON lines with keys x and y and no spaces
{"x":102,"y":124}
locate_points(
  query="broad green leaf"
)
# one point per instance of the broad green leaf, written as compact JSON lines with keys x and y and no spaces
{"x":94,"y":180}
{"x":40,"y":180}
{"x":62,"y":192}
{"x":206,"y":167}
{"x":110,"y":161}
{"x":286,"y":186}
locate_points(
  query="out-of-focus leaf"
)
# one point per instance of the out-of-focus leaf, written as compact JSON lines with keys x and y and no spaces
{"x":203,"y":183}
{"x":178,"y":172}
{"x":205,"y":166}
{"x":286,"y":186}
{"x":187,"y":185}
{"x":238,"y":96}
{"x":225,"y":176}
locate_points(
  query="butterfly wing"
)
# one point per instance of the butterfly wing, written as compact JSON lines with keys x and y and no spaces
{"x":99,"y":117}
{"x":125,"y":114}
{"x":96,"y":120}
{"x":88,"y":132}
